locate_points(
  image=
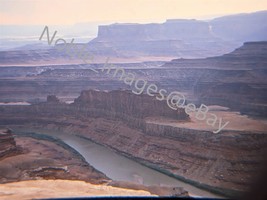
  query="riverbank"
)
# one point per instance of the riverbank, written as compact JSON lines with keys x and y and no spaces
{"x":45,"y":157}
{"x":155,"y":190}
{"x":221,"y":192}
{"x":172,"y":180}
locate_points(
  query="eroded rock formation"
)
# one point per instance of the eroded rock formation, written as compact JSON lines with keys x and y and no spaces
{"x":8,"y":145}
{"x":179,"y":38}
{"x":128,"y":103}
{"x":222,"y":80}
{"x":236,"y":80}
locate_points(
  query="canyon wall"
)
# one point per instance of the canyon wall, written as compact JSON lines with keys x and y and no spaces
{"x":128,"y":103}
{"x":224,"y":163}
{"x":239,"y":75}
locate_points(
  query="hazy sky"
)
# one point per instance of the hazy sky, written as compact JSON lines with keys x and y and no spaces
{"x":74,"y":11}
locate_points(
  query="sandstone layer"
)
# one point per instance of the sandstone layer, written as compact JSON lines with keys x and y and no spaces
{"x":128,"y":103}
{"x":41,"y":189}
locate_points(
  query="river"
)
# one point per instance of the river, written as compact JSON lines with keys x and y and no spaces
{"x":118,"y":167}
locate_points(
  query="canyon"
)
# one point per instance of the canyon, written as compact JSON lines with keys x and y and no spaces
{"x":56,"y":110}
{"x":39,"y":161}
{"x":224,"y":163}
{"x":221,"y":80}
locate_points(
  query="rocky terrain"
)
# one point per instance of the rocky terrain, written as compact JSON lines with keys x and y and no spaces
{"x":227,"y":79}
{"x":127,"y":103}
{"x":44,"y":189}
{"x":204,"y":60}
{"x":43,"y":158}
{"x":42,"y":166}
{"x":221,"y":80}
{"x":224,"y":163}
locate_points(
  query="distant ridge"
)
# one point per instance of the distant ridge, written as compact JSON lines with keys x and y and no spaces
{"x":187,"y":38}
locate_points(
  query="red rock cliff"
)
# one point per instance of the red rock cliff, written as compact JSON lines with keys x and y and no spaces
{"x":125,"y":102}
